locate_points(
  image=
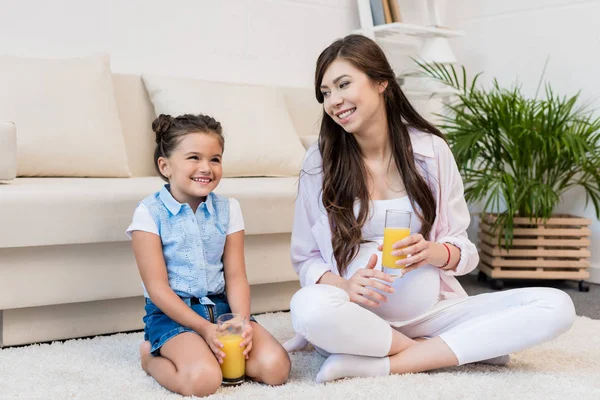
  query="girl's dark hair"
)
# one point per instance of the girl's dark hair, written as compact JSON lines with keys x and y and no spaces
{"x":342,"y":157}
{"x":169,"y":131}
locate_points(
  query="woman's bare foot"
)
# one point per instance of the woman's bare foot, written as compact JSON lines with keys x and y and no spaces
{"x":145,"y":355}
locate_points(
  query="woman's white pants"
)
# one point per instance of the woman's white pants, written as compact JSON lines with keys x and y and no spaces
{"x":478,"y":328}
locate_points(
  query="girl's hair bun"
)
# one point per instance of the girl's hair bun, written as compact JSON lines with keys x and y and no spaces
{"x":161,"y":125}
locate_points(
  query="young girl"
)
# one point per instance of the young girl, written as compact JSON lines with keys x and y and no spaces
{"x":189,"y":247}
{"x":376,"y":153}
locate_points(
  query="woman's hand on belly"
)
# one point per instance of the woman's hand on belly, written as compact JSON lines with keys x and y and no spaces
{"x":415,"y":294}
{"x":360,"y":287}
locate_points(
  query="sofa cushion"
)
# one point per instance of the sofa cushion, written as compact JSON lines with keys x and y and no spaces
{"x":136,"y":114}
{"x":260,"y":139}
{"x":66,"y":115}
{"x":304,"y":109}
{"x":53,"y":211}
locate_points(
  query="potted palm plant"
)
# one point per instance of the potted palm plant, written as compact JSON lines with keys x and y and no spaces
{"x":517,"y":157}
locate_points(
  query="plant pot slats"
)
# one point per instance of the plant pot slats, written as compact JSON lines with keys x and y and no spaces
{"x":546,"y":231}
{"x":517,"y":242}
{"x":534,"y":252}
{"x":556,"y":249}
{"x":558,"y":219}
{"x":519,"y":273}
{"x":535,"y":263}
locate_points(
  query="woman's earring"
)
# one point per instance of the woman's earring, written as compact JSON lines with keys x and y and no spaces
{"x":384,"y":86}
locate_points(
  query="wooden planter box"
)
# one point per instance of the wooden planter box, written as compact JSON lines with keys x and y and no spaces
{"x":556,"y":249}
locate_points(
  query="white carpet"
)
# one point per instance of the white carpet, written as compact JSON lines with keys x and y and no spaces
{"x":108,"y":368}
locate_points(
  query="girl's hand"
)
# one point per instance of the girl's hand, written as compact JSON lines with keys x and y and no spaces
{"x":417,"y":247}
{"x":209,"y":334}
{"x":363,"y":282}
{"x":247,"y":339}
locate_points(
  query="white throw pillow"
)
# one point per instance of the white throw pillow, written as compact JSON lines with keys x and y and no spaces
{"x":66,"y":116}
{"x":305,"y":111}
{"x":260,"y":139}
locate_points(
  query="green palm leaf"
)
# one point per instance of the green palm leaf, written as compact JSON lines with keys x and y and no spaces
{"x":518,"y":155}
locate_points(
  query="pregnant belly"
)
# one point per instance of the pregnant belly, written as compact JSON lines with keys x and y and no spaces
{"x":415,"y":294}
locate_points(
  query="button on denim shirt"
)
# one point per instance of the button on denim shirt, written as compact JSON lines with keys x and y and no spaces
{"x":192,"y":243}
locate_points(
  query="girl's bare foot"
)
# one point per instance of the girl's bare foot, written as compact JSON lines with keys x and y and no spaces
{"x":145,"y":355}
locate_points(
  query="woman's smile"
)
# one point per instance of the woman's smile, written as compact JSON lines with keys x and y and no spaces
{"x":345,"y":115}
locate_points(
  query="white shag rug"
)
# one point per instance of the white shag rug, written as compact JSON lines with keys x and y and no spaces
{"x":108,"y":367}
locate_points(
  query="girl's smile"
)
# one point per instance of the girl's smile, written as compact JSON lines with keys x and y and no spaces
{"x":202,"y":180}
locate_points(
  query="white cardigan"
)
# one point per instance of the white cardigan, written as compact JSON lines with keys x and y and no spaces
{"x":312,"y":252}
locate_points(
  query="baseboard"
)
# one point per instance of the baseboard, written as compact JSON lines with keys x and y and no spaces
{"x":594,"y":273}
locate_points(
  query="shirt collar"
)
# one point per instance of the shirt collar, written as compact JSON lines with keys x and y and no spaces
{"x":422,"y":143}
{"x":174,"y":206}
{"x":209,"y":203}
{"x":168,"y":200}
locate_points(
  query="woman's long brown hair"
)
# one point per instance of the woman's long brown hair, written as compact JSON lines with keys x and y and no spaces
{"x":344,"y":171}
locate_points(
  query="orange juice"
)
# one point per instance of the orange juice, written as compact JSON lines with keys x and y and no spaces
{"x":234,"y":363}
{"x":391,"y":236}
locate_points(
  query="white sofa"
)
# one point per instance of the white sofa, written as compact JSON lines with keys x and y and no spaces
{"x":66,"y":266}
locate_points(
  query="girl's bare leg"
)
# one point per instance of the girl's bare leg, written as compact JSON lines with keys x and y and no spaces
{"x":268,"y":363}
{"x":186,"y":365}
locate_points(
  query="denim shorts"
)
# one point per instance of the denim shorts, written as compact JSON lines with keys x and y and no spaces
{"x":159,"y":328}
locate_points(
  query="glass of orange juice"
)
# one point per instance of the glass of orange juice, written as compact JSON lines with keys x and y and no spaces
{"x":397,"y":227}
{"x":229,"y":331}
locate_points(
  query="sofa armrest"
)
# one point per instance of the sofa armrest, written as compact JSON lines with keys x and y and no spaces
{"x":309,"y":140}
{"x":8,"y":150}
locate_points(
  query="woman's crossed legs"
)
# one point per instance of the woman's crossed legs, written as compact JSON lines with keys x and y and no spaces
{"x":479,"y":328}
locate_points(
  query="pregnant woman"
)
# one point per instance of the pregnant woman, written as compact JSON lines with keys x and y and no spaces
{"x":376,"y":153}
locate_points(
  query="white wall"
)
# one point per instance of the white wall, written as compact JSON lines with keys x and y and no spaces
{"x":254,"y":41}
{"x":511,"y":39}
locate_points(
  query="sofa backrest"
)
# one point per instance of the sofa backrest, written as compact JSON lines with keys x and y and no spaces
{"x":136,"y":113}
